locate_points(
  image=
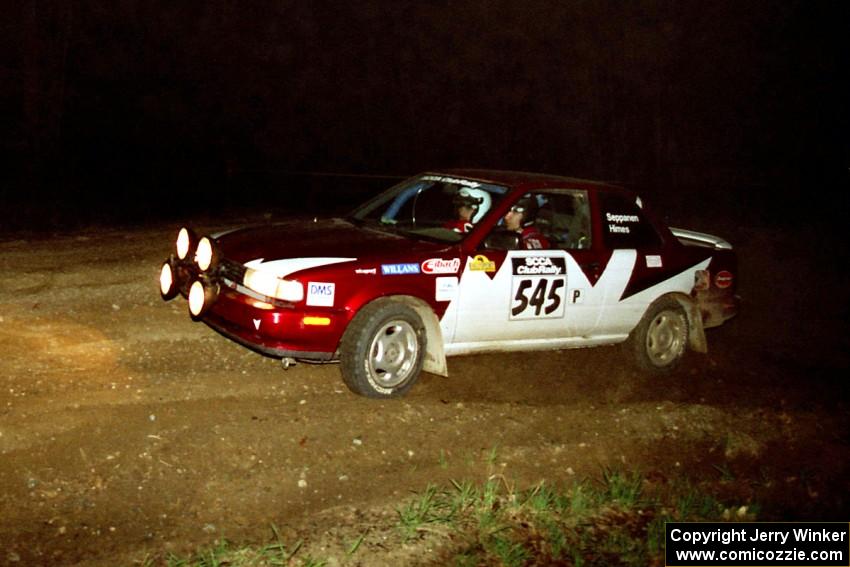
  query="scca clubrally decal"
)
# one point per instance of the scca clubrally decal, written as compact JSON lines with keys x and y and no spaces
{"x":538,"y":286}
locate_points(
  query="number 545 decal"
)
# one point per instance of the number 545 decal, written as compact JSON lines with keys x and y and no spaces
{"x":537,"y":287}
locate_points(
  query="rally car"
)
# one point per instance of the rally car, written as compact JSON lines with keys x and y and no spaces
{"x":457,"y":262}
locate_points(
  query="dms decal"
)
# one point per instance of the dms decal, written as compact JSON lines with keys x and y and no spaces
{"x":320,"y":294}
{"x":399,"y":269}
{"x":537,"y":287}
{"x":482,"y":263}
{"x":616,"y":222}
{"x":440,"y":266}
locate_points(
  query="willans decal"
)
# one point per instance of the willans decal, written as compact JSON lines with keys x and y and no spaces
{"x":399,"y":269}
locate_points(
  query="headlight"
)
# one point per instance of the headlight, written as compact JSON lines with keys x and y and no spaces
{"x":272,"y":286}
{"x":204,"y":254}
{"x":185,"y":241}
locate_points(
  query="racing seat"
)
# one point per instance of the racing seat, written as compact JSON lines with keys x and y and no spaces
{"x":544,"y":221}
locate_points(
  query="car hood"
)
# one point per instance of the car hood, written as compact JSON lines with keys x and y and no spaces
{"x":332,"y":239}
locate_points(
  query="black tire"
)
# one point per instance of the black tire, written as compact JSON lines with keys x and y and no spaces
{"x":382,"y":349}
{"x":660,"y":340}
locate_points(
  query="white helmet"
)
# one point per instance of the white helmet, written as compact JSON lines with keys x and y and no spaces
{"x":478,"y":199}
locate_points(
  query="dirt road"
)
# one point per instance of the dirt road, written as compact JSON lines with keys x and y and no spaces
{"x":128,"y":431}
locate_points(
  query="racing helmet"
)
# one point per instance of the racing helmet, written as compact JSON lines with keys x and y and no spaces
{"x":528,"y":206}
{"x":478,"y":199}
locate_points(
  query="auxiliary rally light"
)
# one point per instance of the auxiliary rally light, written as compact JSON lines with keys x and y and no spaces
{"x":167,"y":287}
{"x":205,"y":254}
{"x":186,"y":240}
{"x":201,"y":297}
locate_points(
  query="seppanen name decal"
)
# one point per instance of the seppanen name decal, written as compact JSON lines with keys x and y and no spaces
{"x":617,"y":222}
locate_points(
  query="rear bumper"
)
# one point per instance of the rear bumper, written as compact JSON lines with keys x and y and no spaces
{"x":719,"y":309}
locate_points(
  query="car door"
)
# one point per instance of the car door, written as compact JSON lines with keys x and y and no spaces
{"x":534,"y":296}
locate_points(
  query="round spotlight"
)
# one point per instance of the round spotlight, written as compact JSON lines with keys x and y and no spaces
{"x":166,"y":281}
{"x":196,"y":298}
{"x":204,"y":254}
{"x":184,"y":242}
{"x":201,"y":297}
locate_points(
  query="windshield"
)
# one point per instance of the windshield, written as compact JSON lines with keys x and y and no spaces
{"x":440,"y":207}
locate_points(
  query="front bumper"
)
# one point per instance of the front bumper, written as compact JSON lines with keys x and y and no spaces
{"x":276,"y":331}
{"x":268,"y":326}
{"x":262,"y":345}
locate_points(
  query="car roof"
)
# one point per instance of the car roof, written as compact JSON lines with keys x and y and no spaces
{"x":515,"y":178}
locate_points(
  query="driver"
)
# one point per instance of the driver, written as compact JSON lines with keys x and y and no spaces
{"x":520,"y":218}
{"x":471,"y":205}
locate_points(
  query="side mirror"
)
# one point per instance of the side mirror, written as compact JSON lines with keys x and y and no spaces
{"x":502,"y":240}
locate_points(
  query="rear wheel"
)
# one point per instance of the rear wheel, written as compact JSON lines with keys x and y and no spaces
{"x":661,"y":338}
{"x":382,"y":349}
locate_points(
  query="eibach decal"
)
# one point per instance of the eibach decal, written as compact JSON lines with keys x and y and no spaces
{"x":440,"y":266}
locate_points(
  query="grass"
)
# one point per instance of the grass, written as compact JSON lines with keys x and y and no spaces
{"x":617,"y":519}
{"x":726,"y":474}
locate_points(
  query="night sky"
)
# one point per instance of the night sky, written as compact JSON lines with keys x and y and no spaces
{"x":139,"y":110}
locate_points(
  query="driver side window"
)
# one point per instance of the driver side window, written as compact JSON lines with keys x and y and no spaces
{"x":556,"y":219}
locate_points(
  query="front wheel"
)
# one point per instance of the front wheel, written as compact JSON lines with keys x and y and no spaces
{"x":661,"y":338}
{"x":382,"y":349}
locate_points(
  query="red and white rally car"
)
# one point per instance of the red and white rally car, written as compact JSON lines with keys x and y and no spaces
{"x":457,"y":262}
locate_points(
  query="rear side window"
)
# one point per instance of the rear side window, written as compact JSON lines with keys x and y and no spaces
{"x":564,"y":218}
{"x":623,"y":223}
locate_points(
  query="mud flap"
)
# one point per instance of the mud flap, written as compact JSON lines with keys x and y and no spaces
{"x":434,"y":359}
{"x":696,"y":332}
